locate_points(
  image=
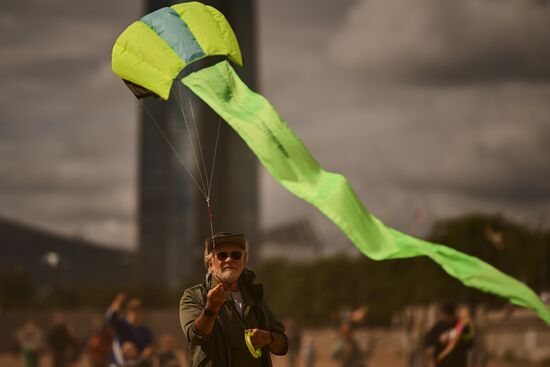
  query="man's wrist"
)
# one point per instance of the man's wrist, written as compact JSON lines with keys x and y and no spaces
{"x":208,"y":312}
{"x":272,"y":338}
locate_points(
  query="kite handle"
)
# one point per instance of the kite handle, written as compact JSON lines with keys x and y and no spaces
{"x":256,"y":352}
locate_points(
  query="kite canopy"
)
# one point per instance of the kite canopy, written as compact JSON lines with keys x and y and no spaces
{"x":152,"y":51}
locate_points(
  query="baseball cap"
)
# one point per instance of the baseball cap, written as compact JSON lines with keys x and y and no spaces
{"x":238,"y":239}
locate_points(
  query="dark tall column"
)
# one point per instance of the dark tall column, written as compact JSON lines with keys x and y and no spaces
{"x":235,"y":189}
{"x":173,"y":220}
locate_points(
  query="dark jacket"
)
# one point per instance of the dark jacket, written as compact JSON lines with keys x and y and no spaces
{"x":213,"y":350}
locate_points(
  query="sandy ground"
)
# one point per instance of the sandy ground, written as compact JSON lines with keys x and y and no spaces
{"x":386,"y":353}
{"x":379,"y":359}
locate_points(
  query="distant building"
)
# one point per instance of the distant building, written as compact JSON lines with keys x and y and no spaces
{"x":295,"y":241}
{"x":172,"y":215}
{"x":48,"y":259}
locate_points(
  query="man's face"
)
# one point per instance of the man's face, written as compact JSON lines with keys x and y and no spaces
{"x":225,"y":266}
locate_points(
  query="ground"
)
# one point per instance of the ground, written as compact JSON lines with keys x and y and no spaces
{"x":386,"y":354}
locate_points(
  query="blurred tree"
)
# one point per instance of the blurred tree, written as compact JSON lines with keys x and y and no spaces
{"x":314,"y":292}
{"x":15,"y":289}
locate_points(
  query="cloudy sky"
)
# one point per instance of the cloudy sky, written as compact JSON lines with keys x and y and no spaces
{"x":432,"y":109}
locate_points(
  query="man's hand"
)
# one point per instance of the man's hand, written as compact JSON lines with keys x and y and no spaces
{"x":214,"y":301}
{"x":260,"y":338}
{"x":215,"y":298}
{"x":274,"y":342}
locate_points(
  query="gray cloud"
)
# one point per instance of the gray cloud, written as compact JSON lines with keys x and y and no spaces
{"x":478,"y":144}
{"x":442,"y":150}
{"x":476,"y":140}
{"x":446,"y":41}
{"x":68,"y":125}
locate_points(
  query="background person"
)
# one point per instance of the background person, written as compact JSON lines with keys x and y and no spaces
{"x":30,"y":342}
{"x":450,"y":338}
{"x":99,"y":346}
{"x":129,"y":329}
{"x":62,"y":342}
{"x":167,"y":356}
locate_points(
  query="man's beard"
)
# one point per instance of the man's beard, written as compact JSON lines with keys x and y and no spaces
{"x":229,"y":276}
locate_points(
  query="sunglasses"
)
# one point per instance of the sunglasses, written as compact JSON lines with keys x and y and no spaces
{"x":235,"y":255}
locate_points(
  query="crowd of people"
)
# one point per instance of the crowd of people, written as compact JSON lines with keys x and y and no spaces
{"x":60,"y":341}
{"x":123,"y":341}
{"x":227,"y":322}
{"x":120,"y":340}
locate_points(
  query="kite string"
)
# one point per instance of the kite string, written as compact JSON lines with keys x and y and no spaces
{"x":205,"y":178}
{"x":210,"y":212}
{"x":203,"y":192}
{"x":211,"y":221}
{"x":194,"y":120}
{"x":208,"y":188}
{"x":215,"y":153}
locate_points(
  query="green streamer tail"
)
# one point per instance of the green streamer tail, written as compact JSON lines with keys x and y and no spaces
{"x":288,"y":160}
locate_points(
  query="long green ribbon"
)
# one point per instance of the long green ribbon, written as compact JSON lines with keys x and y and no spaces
{"x":288,"y":160}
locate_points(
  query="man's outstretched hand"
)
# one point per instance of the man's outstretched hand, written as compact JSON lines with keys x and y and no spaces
{"x":215,"y":298}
